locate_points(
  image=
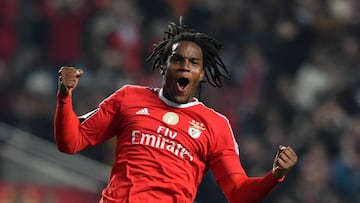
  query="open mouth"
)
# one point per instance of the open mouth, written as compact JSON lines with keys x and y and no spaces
{"x":182,"y":83}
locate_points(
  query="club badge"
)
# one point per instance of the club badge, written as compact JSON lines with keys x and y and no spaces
{"x":195,"y":129}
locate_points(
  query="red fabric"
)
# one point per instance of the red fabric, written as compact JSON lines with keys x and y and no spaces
{"x":240,"y":188}
{"x":163,"y":148}
{"x":67,"y":136}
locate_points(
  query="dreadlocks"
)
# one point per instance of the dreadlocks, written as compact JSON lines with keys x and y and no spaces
{"x":214,"y":67}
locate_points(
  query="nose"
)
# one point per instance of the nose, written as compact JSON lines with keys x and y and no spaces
{"x":186,"y":65}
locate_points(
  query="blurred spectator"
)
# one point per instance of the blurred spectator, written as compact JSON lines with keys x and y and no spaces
{"x":346,"y":165}
{"x":8,"y":28}
{"x":294,"y":70}
{"x":66,"y":22}
{"x":5,"y":91}
{"x":312,"y":81}
{"x":115,"y":38}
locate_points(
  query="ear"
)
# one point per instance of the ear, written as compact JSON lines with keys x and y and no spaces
{"x":202,"y":75}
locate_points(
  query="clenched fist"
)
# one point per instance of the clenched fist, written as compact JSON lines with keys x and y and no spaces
{"x":285,"y":160}
{"x":68,"y":79}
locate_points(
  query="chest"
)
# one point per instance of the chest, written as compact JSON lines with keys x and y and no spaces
{"x":182,"y":131}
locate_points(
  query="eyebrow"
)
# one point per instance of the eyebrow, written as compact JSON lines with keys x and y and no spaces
{"x":181,"y":56}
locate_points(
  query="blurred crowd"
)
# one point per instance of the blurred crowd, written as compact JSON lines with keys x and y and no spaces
{"x":294,"y":68}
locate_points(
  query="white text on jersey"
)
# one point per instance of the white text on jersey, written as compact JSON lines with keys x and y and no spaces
{"x":162,"y":141}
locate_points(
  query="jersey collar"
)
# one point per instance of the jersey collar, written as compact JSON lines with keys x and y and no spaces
{"x":174,"y":104}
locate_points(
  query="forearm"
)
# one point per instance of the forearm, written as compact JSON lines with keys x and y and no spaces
{"x":66,"y":127}
{"x":253,"y":190}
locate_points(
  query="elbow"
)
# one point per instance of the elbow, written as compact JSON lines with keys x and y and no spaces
{"x":237,"y":189}
{"x":231,"y":187}
{"x":66,"y":149}
{"x":67,"y":146}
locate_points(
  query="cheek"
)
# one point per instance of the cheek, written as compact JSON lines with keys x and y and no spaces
{"x":201,"y":74}
{"x":168,"y":75}
{"x":166,"y":70}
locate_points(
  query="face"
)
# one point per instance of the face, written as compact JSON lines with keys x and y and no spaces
{"x":184,"y":72}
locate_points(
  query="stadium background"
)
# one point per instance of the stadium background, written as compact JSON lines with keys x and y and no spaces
{"x":294,"y":68}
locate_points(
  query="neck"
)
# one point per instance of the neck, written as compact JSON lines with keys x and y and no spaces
{"x":177,"y":99}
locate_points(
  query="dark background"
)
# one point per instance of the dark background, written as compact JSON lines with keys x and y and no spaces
{"x":294,"y":68}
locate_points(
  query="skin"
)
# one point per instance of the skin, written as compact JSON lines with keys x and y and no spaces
{"x":184,"y":61}
{"x":68,"y":80}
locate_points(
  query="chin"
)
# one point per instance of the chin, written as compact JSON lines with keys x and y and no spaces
{"x":178,"y":97}
{"x":181,"y":99}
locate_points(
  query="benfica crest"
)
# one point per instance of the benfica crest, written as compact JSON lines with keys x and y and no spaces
{"x":195,"y":129}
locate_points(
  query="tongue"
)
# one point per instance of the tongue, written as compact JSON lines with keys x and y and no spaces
{"x":181,"y":88}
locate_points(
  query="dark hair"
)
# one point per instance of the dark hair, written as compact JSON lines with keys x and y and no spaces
{"x":214,"y":67}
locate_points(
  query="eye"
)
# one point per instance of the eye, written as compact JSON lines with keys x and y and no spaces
{"x":175,"y":58}
{"x":194,"y":61}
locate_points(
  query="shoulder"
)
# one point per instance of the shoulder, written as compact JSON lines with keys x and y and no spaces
{"x":131,"y":89}
{"x":215,"y":120}
{"x":128,"y":94}
{"x":132,"y":93}
{"x":212,"y":113}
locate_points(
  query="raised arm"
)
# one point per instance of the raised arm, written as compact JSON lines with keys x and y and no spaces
{"x":238,"y":188}
{"x":66,"y":123}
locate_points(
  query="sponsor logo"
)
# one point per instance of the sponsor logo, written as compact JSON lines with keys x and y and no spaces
{"x":170,"y":118}
{"x":163,"y":140}
{"x":143,"y":111}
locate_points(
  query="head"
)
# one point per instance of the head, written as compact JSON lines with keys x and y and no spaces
{"x":186,"y":58}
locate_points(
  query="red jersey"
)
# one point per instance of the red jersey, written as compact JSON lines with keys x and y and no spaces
{"x":163,"y":148}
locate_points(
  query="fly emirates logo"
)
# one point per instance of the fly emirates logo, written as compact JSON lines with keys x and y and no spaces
{"x":165,"y":140}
